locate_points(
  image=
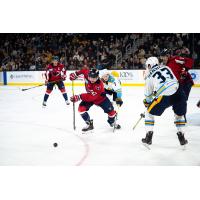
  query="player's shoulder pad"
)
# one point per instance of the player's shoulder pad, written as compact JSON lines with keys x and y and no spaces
{"x":49,"y":66}
{"x":61,"y":65}
{"x":111,"y":79}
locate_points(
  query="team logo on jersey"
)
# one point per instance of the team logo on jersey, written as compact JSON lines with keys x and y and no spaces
{"x":194,"y":75}
{"x":98,"y":88}
{"x":91,"y":92}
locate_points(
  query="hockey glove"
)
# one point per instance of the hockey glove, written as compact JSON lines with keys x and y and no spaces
{"x":198,"y":104}
{"x":119,"y":101}
{"x":73,"y":76}
{"x":184,"y":73}
{"x":146,"y":104}
{"x":75,"y":98}
{"x":46,"y":82}
{"x":63,"y":77}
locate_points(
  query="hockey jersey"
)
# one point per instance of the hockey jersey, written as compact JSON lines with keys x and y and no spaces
{"x":55,"y":73}
{"x":113,"y":84}
{"x":177,"y":63}
{"x":160,"y":81}
{"x":95,"y":91}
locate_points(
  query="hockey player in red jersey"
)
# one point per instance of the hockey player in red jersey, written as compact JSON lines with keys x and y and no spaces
{"x":55,"y":75}
{"x":180,"y":66}
{"x":95,"y":96}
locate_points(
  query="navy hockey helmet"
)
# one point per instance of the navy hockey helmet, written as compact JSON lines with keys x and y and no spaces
{"x":165,"y":52}
{"x":93,"y":73}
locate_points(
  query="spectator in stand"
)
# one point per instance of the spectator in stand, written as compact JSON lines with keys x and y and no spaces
{"x":27,"y":50}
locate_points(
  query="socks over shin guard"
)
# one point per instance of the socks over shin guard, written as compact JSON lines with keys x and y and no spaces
{"x":85,"y":116}
{"x":46,"y":96}
{"x":65,"y":96}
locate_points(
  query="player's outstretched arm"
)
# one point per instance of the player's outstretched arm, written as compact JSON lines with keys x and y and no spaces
{"x":73,"y":76}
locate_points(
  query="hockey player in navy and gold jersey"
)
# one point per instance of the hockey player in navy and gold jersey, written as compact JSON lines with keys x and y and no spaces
{"x":163,"y":90}
{"x":112,"y":87}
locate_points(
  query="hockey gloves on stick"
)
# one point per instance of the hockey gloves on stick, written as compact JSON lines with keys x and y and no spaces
{"x":73,"y":76}
{"x":184,"y":73}
{"x":119,"y":101}
{"x":75,"y":98}
{"x":63,"y":77}
{"x":46,"y":82}
{"x":146,"y":104}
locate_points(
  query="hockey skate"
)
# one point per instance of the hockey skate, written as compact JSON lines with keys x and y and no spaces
{"x":148,"y":139}
{"x":67,"y":102}
{"x":89,"y":127}
{"x":181,"y":138}
{"x":112,"y":123}
{"x":44,"y":104}
{"x":116,"y":126}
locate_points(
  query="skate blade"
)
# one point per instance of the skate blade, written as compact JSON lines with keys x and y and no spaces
{"x":147,"y":146}
{"x":114,"y":129}
{"x":87,"y":132}
{"x":183,"y":147}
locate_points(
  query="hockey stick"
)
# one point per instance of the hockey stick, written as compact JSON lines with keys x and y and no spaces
{"x":142,"y":115}
{"x":116,"y":118}
{"x":74,"y":119}
{"x":24,"y":89}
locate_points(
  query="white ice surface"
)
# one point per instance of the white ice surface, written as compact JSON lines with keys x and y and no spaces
{"x":28,"y":131}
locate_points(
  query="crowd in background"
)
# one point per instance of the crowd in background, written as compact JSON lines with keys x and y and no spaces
{"x":116,"y":51}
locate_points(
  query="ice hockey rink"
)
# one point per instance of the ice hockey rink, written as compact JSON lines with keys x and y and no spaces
{"x":28,"y":131}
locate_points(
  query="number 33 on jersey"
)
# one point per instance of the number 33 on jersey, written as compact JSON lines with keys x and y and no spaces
{"x":160,"y":81}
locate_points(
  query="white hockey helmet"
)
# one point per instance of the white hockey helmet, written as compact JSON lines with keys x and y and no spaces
{"x":103,"y":72}
{"x":151,"y":61}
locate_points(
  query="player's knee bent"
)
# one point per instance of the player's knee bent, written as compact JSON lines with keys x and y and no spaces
{"x":112,"y":114}
{"x":62,"y":90}
{"x":48,"y":91}
{"x":148,"y":116}
{"x":82,"y":109}
{"x":178,"y":117}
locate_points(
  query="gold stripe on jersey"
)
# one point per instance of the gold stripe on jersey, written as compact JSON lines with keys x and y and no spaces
{"x":155,"y":102}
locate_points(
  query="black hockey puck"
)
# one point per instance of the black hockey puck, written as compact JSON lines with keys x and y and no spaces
{"x":55,"y":144}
